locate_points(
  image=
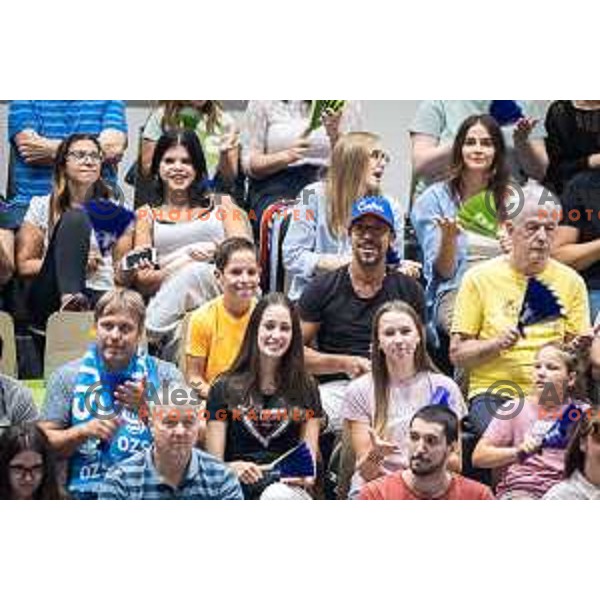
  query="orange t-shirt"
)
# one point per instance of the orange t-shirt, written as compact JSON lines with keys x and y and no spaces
{"x":393,"y":487}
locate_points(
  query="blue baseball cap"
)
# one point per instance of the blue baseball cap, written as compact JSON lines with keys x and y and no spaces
{"x":376,"y":206}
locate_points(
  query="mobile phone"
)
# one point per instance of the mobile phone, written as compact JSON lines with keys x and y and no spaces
{"x":132,"y":259}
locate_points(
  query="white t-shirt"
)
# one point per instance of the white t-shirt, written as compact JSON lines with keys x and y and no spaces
{"x":37,"y":214}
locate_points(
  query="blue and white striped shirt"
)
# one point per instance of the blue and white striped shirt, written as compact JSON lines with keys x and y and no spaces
{"x":136,"y":478}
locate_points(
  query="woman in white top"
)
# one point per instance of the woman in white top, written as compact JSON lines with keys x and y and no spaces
{"x":185,"y":230}
{"x":379,"y":405}
{"x":276,"y":155}
{"x":71,"y":264}
{"x":317,"y":239}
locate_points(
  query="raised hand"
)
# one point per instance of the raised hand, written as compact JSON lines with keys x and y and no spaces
{"x":449,"y":227}
{"x":371,"y":465}
{"x":523,"y":127}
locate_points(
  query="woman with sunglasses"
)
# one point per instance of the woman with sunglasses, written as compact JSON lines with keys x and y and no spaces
{"x":317,"y":239}
{"x":57,"y":247}
{"x":478,"y":169}
{"x":582,"y":463}
{"x":512,"y":443}
{"x":27,"y":465}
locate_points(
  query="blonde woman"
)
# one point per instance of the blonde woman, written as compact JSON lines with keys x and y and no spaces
{"x":216,"y":130}
{"x":379,"y":406}
{"x":317,"y":239}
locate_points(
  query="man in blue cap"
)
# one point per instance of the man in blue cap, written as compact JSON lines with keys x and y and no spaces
{"x":337,"y":308}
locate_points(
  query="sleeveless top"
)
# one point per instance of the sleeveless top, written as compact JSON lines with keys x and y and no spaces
{"x":172,"y":238}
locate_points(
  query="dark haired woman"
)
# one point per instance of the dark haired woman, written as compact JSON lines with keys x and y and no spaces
{"x":216,"y":129}
{"x":379,"y":405}
{"x":57,"y":246}
{"x":582,"y":463}
{"x":27,"y":465}
{"x":478,"y":169}
{"x":185,"y":229}
{"x":266,"y":403}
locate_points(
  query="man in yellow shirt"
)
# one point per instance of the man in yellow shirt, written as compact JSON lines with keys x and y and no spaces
{"x":485,"y":338}
{"x":217,"y":328}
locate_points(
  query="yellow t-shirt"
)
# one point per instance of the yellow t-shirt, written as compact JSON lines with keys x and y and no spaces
{"x":216,"y":335}
{"x":489,"y":302}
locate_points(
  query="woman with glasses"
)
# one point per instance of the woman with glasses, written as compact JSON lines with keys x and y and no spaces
{"x":317,"y":239}
{"x":582,"y":463}
{"x":27,"y":465}
{"x":68,"y":260}
{"x":478,"y":177}
{"x":512,"y":443}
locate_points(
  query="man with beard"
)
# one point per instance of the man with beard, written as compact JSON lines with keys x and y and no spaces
{"x":433,"y":437}
{"x":172,"y":469}
{"x":337,"y":308}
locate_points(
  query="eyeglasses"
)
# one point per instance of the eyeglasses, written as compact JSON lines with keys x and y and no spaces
{"x":80,"y":156}
{"x":361,"y":229}
{"x":20,"y":471}
{"x":380,"y":156}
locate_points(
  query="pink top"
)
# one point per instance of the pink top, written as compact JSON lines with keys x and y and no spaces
{"x":534,"y":477}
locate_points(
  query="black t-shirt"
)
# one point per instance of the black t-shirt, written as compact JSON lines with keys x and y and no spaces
{"x":268,"y":428}
{"x":572,"y":135}
{"x":581,"y":210}
{"x":345,"y":319}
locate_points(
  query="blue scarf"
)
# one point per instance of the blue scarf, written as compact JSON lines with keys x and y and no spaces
{"x":94,"y":397}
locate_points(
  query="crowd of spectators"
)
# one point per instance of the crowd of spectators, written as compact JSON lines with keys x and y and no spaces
{"x":468,"y":374}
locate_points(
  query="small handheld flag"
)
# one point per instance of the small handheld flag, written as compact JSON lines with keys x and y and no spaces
{"x":297,"y":462}
{"x":506,"y":112}
{"x":540,"y":305}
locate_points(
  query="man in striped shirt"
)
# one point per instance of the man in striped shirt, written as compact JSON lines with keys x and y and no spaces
{"x":173,"y":469}
{"x":36,"y":128}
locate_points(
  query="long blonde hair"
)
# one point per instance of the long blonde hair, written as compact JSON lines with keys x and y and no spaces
{"x":211,"y":109}
{"x":346,"y":181}
{"x":379,"y":368}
